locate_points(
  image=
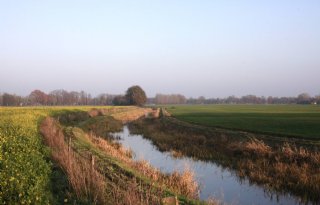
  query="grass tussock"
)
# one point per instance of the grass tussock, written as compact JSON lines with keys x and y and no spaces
{"x":185,"y":182}
{"x":87,"y":183}
{"x":257,"y":147}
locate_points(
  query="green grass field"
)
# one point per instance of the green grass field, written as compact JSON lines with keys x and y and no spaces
{"x":284,"y":120}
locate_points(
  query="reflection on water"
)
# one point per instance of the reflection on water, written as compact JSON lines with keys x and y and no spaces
{"x":214,"y":180}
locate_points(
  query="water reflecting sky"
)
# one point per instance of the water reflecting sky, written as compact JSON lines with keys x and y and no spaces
{"x":214,"y":180}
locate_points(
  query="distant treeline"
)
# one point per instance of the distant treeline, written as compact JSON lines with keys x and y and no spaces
{"x":303,"y":98}
{"x":62,"y":97}
{"x":55,"y":98}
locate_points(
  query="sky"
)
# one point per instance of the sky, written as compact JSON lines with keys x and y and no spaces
{"x":211,"y":48}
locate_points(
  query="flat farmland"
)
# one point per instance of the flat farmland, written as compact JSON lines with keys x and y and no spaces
{"x":283,"y":120}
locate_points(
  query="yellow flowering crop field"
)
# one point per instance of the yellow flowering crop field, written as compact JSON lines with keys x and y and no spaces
{"x":25,"y":167}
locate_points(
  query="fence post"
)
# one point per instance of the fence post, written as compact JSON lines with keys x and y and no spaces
{"x":92,"y":161}
{"x":69,"y":145}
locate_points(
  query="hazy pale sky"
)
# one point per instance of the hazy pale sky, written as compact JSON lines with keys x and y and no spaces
{"x":193,"y":47}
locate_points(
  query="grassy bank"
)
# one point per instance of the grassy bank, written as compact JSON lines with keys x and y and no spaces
{"x":282,"y":120}
{"x":281,"y":167}
{"x":121,"y":180}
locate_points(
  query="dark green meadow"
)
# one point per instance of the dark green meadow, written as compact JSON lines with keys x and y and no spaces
{"x":281,"y":120}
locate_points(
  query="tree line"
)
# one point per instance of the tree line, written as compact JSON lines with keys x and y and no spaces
{"x":55,"y":98}
{"x":135,"y":95}
{"x":303,"y":98}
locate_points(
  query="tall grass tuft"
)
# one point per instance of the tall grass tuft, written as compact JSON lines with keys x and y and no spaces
{"x":185,"y":182}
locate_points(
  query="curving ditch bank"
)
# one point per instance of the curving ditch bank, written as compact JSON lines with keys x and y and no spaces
{"x":281,"y":168}
{"x":100,"y":171}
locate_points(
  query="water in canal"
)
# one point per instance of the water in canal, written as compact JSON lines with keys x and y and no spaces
{"x":215,"y":181}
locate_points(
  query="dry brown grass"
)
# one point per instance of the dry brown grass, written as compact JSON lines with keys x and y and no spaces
{"x":132,"y":114}
{"x":176,"y":154}
{"x":284,"y":168}
{"x":258,"y":147}
{"x":115,"y":150}
{"x":137,"y":193}
{"x":146,"y":169}
{"x":170,"y":201}
{"x":94,"y":112}
{"x":183,"y":183}
{"x":87,"y":183}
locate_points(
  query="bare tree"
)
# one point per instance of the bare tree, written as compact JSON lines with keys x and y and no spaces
{"x":120,"y":100}
{"x":37,"y":97}
{"x":11,"y":100}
